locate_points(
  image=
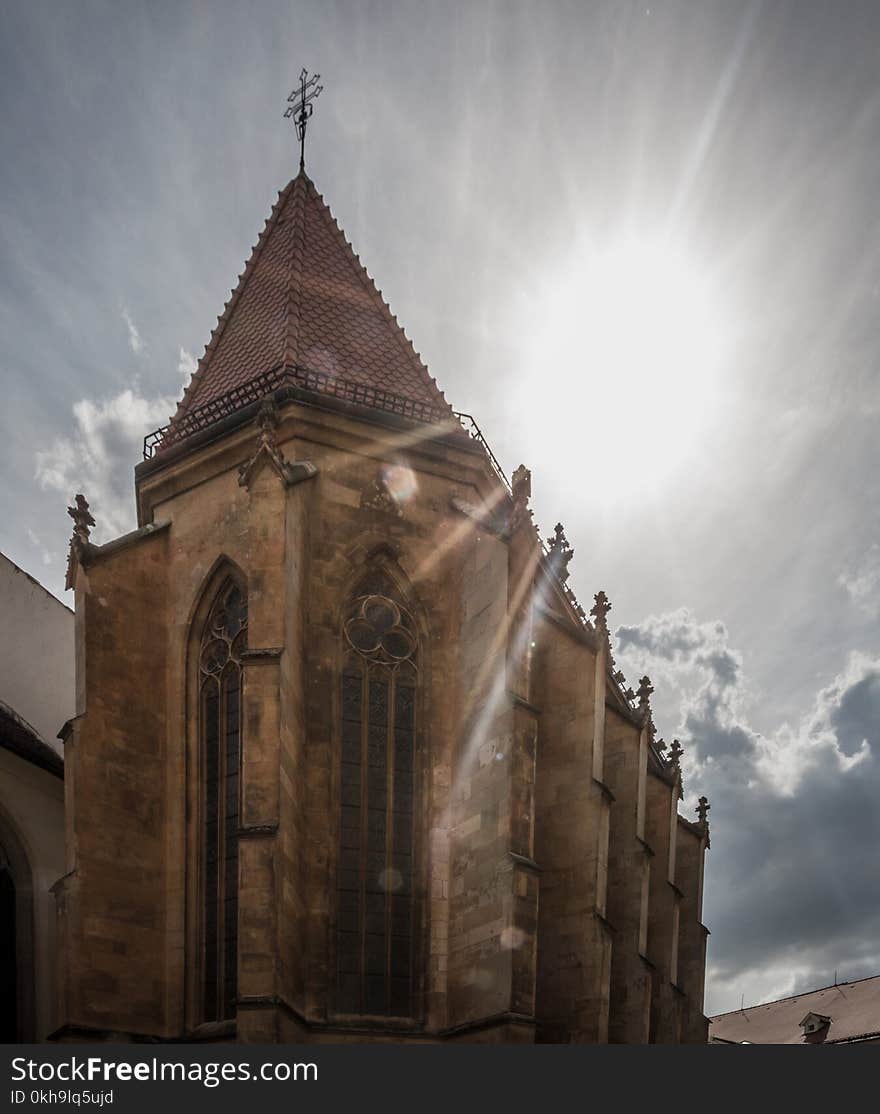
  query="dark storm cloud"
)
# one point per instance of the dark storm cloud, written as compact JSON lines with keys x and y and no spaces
{"x":793,"y":890}
{"x":857,"y":714}
{"x":675,"y":638}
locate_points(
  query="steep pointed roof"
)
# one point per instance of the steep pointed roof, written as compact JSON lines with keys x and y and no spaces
{"x":306,"y":309}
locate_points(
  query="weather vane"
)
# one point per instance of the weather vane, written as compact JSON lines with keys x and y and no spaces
{"x":301,"y":106}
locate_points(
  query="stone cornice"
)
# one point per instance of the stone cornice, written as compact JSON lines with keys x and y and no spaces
{"x":95,"y":553}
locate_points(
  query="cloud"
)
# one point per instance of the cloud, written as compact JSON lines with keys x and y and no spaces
{"x":98,"y":457}
{"x":862,"y":583}
{"x":186,"y":365}
{"x":135,"y":343}
{"x":675,"y":643}
{"x":793,"y":892}
{"x":46,"y":556}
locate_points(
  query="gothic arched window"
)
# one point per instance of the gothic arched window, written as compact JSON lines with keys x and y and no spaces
{"x":374,"y":925}
{"x":8,"y":955}
{"x":16,"y":936}
{"x":223,"y":640}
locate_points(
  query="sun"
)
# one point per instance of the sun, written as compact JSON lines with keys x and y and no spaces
{"x":627,"y":349}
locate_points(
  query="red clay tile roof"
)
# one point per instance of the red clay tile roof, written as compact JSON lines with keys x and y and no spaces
{"x":305,"y":301}
{"x":854,"y":1009}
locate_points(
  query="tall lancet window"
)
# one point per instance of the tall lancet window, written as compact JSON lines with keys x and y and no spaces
{"x":223,"y":640}
{"x":374,"y":927}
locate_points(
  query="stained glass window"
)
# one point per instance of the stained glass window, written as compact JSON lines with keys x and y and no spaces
{"x":220,"y":727}
{"x":374,"y":926}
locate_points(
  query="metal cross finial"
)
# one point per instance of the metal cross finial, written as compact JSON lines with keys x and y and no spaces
{"x":301,"y":106}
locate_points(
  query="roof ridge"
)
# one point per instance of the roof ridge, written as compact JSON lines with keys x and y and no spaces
{"x":375,"y":293}
{"x":235,"y":294}
{"x":22,"y":722}
{"x":793,"y":997}
{"x":294,"y":272}
{"x":22,"y":738}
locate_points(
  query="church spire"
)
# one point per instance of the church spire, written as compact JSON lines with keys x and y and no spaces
{"x":306,"y":313}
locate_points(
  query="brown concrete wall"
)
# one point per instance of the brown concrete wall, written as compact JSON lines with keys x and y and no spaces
{"x":692,"y":934}
{"x":574,"y":943}
{"x":259,"y":845}
{"x":480,"y":969}
{"x":665,"y":997}
{"x":431,"y":552}
{"x":112,"y":906}
{"x":293,"y":830}
{"x":629,"y":861}
{"x":523,"y":853}
{"x":216,"y":531}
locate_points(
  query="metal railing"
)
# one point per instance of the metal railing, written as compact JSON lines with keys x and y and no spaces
{"x":469,"y":425}
{"x":256,"y":389}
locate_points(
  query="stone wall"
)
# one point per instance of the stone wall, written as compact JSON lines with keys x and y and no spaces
{"x":534,"y":808}
{"x":629,"y":869}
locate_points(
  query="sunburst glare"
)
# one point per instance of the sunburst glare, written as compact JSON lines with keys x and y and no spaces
{"x":632,"y":336}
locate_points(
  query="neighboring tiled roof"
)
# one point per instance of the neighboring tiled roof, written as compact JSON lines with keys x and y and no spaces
{"x":17,"y":736}
{"x":854,"y":1009}
{"x":305,"y":301}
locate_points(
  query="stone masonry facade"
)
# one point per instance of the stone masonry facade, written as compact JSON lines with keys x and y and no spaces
{"x":547,"y":888}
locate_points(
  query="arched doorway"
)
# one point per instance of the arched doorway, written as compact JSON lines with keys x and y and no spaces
{"x":16,"y":939}
{"x":8,"y":958}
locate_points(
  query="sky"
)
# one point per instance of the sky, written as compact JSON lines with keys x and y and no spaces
{"x":638,"y":242}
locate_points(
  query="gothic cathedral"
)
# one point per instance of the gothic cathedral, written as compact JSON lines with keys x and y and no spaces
{"x":350,"y":762}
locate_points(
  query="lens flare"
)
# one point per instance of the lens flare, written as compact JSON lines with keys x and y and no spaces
{"x":627,"y":358}
{"x":400,"y":482}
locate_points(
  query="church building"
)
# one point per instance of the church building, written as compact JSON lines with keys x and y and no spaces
{"x":350,"y":762}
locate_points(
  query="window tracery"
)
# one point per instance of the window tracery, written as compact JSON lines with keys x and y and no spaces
{"x":379,"y":688}
{"x":220,"y":727}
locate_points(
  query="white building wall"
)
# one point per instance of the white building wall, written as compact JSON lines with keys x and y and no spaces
{"x":32,"y":802}
{"x":37,"y":682}
{"x":37,"y":675}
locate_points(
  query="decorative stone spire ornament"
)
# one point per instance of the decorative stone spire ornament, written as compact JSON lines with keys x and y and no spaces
{"x":702,"y":810}
{"x":79,"y":542}
{"x":645,"y":690}
{"x":675,"y":753}
{"x":267,"y":420}
{"x":521,"y":489}
{"x":521,"y":485}
{"x":560,"y":553}
{"x":267,"y":448}
{"x":82,"y":518}
{"x":599,"y":611}
{"x":267,"y":451}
